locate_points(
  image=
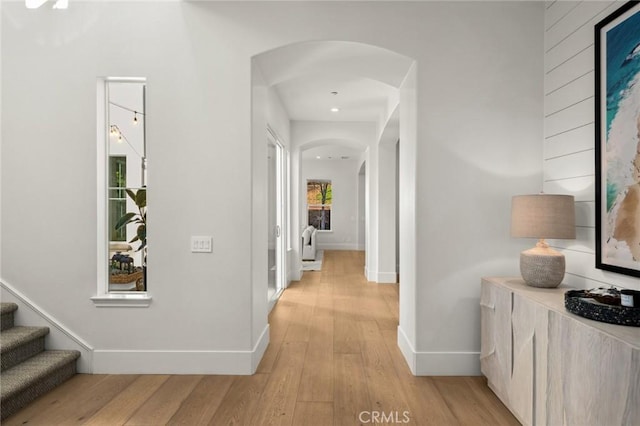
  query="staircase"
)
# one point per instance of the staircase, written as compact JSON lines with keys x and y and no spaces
{"x":28,"y":370}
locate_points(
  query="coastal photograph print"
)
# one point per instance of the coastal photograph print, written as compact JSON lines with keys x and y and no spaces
{"x":617,"y":149}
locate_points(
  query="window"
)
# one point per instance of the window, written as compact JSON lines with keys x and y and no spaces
{"x":122,"y":193}
{"x":319,"y":196}
{"x":117,"y":196}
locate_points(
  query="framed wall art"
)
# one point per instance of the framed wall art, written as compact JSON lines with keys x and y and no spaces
{"x":617,"y":149}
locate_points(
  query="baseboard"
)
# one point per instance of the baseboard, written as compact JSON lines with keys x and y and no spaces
{"x":296,"y":275}
{"x":370,"y":275}
{"x":438,"y":363}
{"x":59,"y":337}
{"x":407,"y":350}
{"x":387,"y":278}
{"x":172,"y":362}
{"x":448,"y":364}
{"x":260,"y":347}
{"x":181,"y":361}
{"x":295,"y":268}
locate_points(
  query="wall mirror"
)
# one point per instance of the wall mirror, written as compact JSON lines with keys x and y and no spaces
{"x":126,"y":185}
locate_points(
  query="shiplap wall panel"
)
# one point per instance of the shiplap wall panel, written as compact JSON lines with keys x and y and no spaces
{"x":569,"y":163}
{"x":580,"y":139}
{"x":579,"y":18}
{"x":573,"y":93}
{"x":569,"y":118}
{"x":585,"y":241}
{"x":558,"y":10}
{"x":584,"y":275}
{"x":580,"y":38}
{"x":582,"y":188}
{"x":575,"y":67}
{"x":586,"y":214}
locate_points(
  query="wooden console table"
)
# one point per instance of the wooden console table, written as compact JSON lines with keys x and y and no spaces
{"x":551,"y":367}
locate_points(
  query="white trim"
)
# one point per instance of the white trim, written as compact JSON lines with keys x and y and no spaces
{"x":296,"y":275}
{"x":125,"y":79}
{"x":275,"y":297}
{"x":121,"y":300}
{"x":102,"y":130}
{"x":104,"y":297}
{"x":60,"y":336}
{"x":370,"y":275}
{"x":259,"y":349}
{"x":407,"y":350}
{"x":387,"y":278}
{"x":448,"y":364}
{"x":115,"y":361}
{"x":438,"y":363}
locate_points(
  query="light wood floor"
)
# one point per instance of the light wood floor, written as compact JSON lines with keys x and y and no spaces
{"x":332,"y":360}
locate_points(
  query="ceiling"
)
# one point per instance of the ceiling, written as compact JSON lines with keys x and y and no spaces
{"x":304,"y":75}
{"x":331,"y":152}
{"x":310,"y":97}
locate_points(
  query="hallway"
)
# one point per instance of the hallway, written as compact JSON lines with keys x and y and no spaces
{"x":332,"y":360}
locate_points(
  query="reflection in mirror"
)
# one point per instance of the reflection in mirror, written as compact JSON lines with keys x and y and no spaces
{"x":126,"y":185}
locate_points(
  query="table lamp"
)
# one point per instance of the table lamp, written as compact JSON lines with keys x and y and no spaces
{"x":543,"y":216}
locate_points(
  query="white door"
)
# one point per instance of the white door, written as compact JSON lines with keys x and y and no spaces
{"x":276,"y":229}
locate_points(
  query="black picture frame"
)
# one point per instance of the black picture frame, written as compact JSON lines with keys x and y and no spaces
{"x":617,"y":168}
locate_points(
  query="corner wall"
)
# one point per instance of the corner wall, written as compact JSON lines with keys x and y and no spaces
{"x":569,"y":152}
{"x":479,"y":143}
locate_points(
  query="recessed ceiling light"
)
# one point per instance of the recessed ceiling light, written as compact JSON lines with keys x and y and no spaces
{"x":334,"y":93}
{"x":317,"y":157}
{"x":334,"y":109}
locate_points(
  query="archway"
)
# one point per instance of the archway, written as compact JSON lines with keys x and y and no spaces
{"x":279,"y":67}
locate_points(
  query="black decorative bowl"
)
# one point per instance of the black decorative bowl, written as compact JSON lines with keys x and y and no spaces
{"x":579,"y":303}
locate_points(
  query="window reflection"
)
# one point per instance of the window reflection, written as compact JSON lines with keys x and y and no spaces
{"x":127,"y":186}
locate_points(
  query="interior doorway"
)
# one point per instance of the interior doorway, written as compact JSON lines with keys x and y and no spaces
{"x":306,"y":89}
{"x":276,"y":230}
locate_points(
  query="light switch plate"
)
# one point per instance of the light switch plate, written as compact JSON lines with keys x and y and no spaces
{"x":201,"y":244}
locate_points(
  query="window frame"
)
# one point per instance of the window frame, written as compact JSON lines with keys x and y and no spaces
{"x":104,"y":297}
{"x":330,"y":205}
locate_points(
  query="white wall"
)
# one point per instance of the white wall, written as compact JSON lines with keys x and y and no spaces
{"x":308,"y":134}
{"x":569,"y":162}
{"x":361,"y":207}
{"x":199,"y":167}
{"x":387,"y":206}
{"x":479,"y":142}
{"x":478,"y":113}
{"x":343,"y":175}
{"x":278,"y":119}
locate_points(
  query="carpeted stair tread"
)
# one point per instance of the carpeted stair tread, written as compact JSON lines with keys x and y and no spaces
{"x":6,"y":307}
{"x":16,"y":336}
{"x":20,"y":343}
{"x":27,"y":369}
{"x":33,"y":370}
{"x":6,"y":315}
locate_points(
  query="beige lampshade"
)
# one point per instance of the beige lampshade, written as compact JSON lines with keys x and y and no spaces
{"x":543,"y":216}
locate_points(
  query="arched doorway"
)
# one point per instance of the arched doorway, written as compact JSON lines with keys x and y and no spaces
{"x":281,"y":73}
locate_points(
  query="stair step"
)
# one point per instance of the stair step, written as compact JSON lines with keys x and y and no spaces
{"x":34,"y":377}
{"x":20,"y":343}
{"x":6,"y":314}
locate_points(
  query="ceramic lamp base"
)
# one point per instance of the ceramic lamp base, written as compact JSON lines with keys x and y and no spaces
{"x":542,"y":266}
